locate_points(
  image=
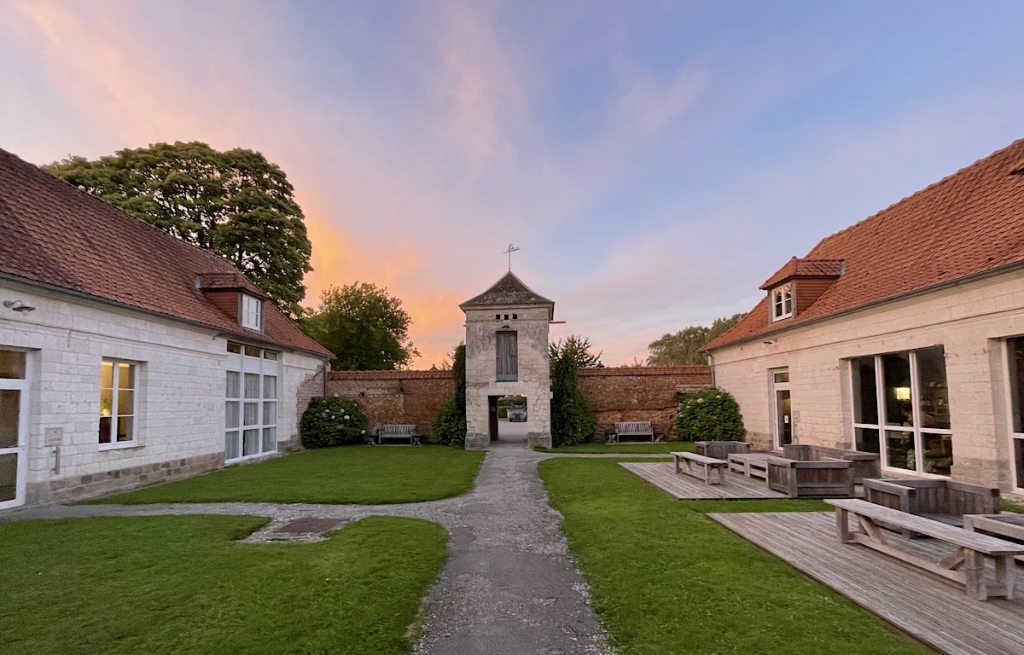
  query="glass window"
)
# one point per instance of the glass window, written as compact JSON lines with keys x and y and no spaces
{"x":1015,"y":348}
{"x":234,"y":389}
{"x":865,"y":393}
{"x":12,"y":365}
{"x":252,"y":352}
{"x":933,"y":395}
{"x":270,"y":387}
{"x":896,"y":373}
{"x":235,"y":348}
{"x":118,"y":384}
{"x":782,"y":301}
{"x":250,"y":407}
{"x":252,"y":385}
{"x":252,"y":313}
{"x":270,"y":354}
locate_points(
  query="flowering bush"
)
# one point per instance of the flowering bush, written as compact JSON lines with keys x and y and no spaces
{"x":332,"y":422}
{"x":709,"y":415}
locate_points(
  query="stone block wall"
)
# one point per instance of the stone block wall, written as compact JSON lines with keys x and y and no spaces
{"x":639,"y":394}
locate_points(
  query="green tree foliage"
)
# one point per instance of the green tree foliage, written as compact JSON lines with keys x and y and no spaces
{"x":234,"y":203}
{"x":332,"y":422}
{"x":683,"y":347}
{"x":571,"y":420}
{"x":709,"y":415}
{"x":449,"y":424}
{"x":577,"y":348}
{"x":365,"y":328}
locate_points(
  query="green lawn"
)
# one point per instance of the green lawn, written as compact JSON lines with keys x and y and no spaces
{"x":182,"y":585}
{"x":667,"y":579}
{"x":622,"y":449}
{"x":345,"y":475}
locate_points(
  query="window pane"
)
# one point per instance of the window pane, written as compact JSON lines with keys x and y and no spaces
{"x":867,"y":440}
{"x":234,"y":388}
{"x":250,"y":442}
{"x":231,"y":410}
{"x":896,"y":376}
{"x":230,"y":445}
{"x":106,"y":402}
{"x":10,"y":410}
{"x":234,"y":348}
{"x":269,"y":354}
{"x":125,"y":403}
{"x":1018,"y":456}
{"x":865,"y":398}
{"x":105,"y":429}
{"x":934,"y":394}
{"x":107,"y":375}
{"x":938,"y":453}
{"x":900,"y":447}
{"x":252,"y":385}
{"x":252,"y":414}
{"x":252,"y":352}
{"x":269,"y":413}
{"x":125,"y":428}
{"x":12,"y":365}
{"x":1016,"y":366}
{"x":270,"y":387}
{"x":269,"y":439}
{"x":781,"y":376}
{"x":8,"y":477}
{"x":126,"y":376}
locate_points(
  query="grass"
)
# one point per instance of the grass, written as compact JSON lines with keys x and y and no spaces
{"x":345,"y":475}
{"x":667,"y":579}
{"x":623,"y":448}
{"x":183,"y":585}
{"x":1010,"y":506}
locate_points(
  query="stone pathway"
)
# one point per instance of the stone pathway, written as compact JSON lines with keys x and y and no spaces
{"x":510,"y":585}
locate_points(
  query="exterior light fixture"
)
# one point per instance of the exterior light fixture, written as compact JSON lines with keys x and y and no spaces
{"x":18,"y":306}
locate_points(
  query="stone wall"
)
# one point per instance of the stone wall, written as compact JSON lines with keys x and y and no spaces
{"x":613,"y":394}
{"x":639,"y":394}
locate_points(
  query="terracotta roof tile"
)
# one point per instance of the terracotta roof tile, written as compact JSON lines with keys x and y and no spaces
{"x":54,"y":234}
{"x":509,"y":290}
{"x":963,"y":225}
{"x":805,"y":268}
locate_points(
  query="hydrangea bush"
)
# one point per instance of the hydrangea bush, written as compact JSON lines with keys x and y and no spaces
{"x":709,"y":415}
{"x":332,"y":422}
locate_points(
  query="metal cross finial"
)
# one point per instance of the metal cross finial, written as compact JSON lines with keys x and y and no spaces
{"x":511,"y":249}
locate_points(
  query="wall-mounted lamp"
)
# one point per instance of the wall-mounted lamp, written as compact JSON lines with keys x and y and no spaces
{"x":902,"y":393}
{"x":18,"y":306}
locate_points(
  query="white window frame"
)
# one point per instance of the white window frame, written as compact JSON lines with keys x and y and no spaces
{"x":881,"y":427}
{"x":1013,"y":435}
{"x":251,"y":313}
{"x":782,"y":298}
{"x":114,"y":407}
{"x":252,"y":360}
{"x":23,"y":386}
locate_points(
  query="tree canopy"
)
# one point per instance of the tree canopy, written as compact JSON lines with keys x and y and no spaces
{"x":683,"y":347}
{"x":577,"y":349}
{"x":365,"y":328}
{"x":234,"y":203}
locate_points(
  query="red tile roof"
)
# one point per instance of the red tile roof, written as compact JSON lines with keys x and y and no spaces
{"x":796,"y":268}
{"x":56,"y":235}
{"x":966,"y":224}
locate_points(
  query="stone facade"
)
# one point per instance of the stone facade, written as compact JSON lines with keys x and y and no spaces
{"x":180,"y":394}
{"x":971,"y":321}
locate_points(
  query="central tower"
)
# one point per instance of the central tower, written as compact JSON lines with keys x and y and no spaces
{"x":507,"y":355}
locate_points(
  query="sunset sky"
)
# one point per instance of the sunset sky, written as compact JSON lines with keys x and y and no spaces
{"x":655,"y":161}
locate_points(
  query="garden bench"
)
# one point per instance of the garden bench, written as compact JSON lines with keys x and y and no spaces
{"x":633,"y":429}
{"x":1009,"y":526}
{"x":700,"y":466}
{"x":752,"y":465}
{"x":398,"y":431}
{"x":720,"y":449}
{"x":864,"y":465}
{"x":828,"y":478}
{"x":941,"y":500}
{"x":965,"y":566}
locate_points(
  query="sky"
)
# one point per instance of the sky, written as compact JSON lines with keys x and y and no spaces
{"x":654,"y":161}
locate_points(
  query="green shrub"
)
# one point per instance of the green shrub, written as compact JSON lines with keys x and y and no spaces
{"x":709,"y":415}
{"x":449,"y":424}
{"x":571,"y":420}
{"x":332,"y":422}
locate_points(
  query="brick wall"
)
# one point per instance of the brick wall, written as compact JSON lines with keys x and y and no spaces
{"x":614,"y":394}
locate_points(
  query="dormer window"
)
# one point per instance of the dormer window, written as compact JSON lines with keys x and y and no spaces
{"x":782,"y":301}
{"x":252,"y":313}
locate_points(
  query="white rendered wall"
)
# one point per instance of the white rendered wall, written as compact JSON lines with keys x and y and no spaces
{"x":181,"y":387}
{"x":969,"y":321}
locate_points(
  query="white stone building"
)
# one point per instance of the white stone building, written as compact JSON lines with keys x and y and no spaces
{"x":128,"y":356}
{"x":507,"y":355}
{"x":901,"y":335}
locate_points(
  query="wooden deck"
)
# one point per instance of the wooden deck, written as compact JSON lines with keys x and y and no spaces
{"x":686,"y":487}
{"x":931,"y":609}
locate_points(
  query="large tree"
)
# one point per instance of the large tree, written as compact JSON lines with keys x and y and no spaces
{"x":683,"y":347}
{"x":577,"y":348}
{"x":365,"y":328}
{"x":234,"y":203}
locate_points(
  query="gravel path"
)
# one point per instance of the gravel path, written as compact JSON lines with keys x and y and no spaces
{"x":510,"y":585}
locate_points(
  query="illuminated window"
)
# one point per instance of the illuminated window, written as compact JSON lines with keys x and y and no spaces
{"x":118,"y":402}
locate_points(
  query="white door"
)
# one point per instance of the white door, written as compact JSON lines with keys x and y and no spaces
{"x":782,"y":430}
{"x":13,"y":428}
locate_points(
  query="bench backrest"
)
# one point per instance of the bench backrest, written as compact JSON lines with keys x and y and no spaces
{"x":634,"y":427}
{"x":865,"y":465}
{"x":396,"y":429}
{"x":944,"y":497}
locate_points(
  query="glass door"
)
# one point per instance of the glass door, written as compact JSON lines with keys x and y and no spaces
{"x":783,"y":407}
{"x":13,"y":417}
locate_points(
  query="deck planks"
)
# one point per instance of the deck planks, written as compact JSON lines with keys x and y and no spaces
{"x":684,"y":487}
{"x":925,"y":606}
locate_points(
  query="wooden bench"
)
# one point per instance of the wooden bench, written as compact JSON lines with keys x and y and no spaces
{"x":965,"y":566}
{"x":633,"y":429}
{"x":398,"y":431}
{"x":828,"y":478}
{"x":752,"y":465}
{"x":720,"y":449}
{"x":864,"y":465}
{"x":941,"y":500}
{"x":1008,"y":525}
{"x":700,"y":466}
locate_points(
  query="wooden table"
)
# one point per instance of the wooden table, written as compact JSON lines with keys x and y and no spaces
{"x":966,"y":565}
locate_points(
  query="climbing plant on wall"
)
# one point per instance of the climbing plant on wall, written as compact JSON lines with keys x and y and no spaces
{"x":449,"y":424}
{"x":571,"y":420}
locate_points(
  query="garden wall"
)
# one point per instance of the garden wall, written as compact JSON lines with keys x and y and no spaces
{"x":394,"y":396}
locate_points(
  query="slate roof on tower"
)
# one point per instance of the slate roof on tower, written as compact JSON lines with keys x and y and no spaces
{"x":966,"y":225}
{"x":59,"y":237}
{"x":506,"y":292}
